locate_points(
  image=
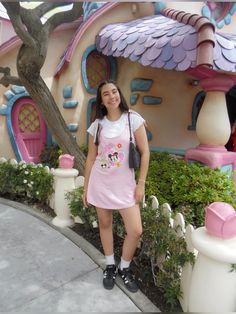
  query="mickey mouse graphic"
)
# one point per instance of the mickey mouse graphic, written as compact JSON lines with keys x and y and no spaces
{"x":113,"y":157}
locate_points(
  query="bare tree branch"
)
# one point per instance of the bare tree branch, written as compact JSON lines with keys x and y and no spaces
{"x":64,"y":17}
{"x":7,"y":79}
{"x":46,"y":7}
{"x":32,"y":22}
{"x":13,"y":11}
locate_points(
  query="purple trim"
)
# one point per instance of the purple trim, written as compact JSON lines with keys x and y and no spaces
{"x":9,"y":44}
{"x":15,"y":40}
{"x":66,"y":58}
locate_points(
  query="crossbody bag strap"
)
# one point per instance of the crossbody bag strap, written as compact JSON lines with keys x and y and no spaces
{"x":130,"y":134}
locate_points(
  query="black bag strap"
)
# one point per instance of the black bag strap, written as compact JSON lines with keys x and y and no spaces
{"x":130,"y":134}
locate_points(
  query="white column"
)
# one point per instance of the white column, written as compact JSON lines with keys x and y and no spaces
{"x":213,"y":126}
{"x":64,"y":182}
{"x":213,"y":285}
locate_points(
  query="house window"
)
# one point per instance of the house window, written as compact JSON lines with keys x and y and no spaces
{"x":97,"y":67}
{"x":197,"y":105}
{"x":219,"y":9}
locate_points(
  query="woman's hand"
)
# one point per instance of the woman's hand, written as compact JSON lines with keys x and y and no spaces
{"x":84,"y":198}
{"x":139,"y":192}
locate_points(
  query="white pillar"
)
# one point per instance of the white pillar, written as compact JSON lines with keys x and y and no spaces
{"x":213,"y":126}
{"x":64,"y":182}
{"x":213,"y":285}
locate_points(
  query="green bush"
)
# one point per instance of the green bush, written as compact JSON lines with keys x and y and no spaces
{"x":50,"y":156}
{"x":188,"y":188}
{"x":88,"y":215}
{"x":25,"y":182}
{"x":160,"y":242}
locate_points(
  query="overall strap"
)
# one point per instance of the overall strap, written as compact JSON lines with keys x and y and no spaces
{"x":130,"y":134}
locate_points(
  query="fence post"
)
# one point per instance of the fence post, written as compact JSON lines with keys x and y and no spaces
{"x":213,"y":282}
{"x":64,"y":178}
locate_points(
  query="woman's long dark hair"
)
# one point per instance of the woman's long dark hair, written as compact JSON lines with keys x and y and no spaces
{"x":101,"y":110}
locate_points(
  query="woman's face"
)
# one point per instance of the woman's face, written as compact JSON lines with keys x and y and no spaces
{"x":110,"y":96}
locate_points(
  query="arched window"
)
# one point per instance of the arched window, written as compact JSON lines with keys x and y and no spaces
{"x":197,"y":105}
{"x":96,"y":67}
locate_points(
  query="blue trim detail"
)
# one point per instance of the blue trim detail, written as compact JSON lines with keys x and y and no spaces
{"x":151,"y":100}
{"x":3,"y":110}
{"x":10,"y":105}
{"x":149,"y":135}
{"x":112,"y":63}
{"x":8,"y":111}
{"x":67,"y":92}
{"x":73,"y":127}
{"x":197,"y":105}
{"x":140,"y":84}
{"x":91,"y":103}
{"x":70,"y":104}
{"x":49,"y":141}
{"x":227,"y":169}
{"x":9,"y":94}
{"x":133,"y":99}
{"x":233,"y":9}
{"x":174,"y":151}
{"x":18,"y":89}
{"x":159,"y":6}
{"x":224,"y":21}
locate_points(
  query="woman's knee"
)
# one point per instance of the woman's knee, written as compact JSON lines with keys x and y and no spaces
{"x":135,"y":232}
{"x":105,"y":223}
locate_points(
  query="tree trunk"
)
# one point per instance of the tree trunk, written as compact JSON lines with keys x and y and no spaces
{"x":42,"y":96}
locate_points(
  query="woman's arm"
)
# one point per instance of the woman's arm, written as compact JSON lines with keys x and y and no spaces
{"x":92,"y":153}
{"x":142,"y":143}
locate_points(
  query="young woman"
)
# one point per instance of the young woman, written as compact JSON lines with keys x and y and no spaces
{"x":110,"y":183}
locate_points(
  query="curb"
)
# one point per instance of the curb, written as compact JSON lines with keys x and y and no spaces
{"x":138,"y":298}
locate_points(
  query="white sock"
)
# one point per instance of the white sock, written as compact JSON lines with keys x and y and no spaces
{"x":124,"y":264}
{"x":110,"y":260}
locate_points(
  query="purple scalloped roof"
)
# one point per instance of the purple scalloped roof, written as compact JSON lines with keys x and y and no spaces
{"x":161,"y":42}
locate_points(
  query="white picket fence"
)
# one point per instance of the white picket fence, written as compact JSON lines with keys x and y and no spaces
{"x":182,"y":231}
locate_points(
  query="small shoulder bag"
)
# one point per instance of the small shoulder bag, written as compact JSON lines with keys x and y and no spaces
{"x":134,"y":154}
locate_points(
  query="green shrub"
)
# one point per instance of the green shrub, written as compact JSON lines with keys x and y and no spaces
{"x":188,"y":188}
{"x":160,"y":241}
{"x":25,"y":182}
{"x":88,"y":215}
{"x":50,"y":156}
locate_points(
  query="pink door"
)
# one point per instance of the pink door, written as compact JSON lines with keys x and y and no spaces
{"x":29,"y":129}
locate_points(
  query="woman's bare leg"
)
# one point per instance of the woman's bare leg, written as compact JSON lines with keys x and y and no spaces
{"x":105,"y":229}
{"x":133,"y":226}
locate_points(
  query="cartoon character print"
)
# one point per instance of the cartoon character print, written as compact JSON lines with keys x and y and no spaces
{"x":111,"y":156}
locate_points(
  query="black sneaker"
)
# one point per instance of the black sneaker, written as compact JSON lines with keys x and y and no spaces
{"x":109,"y":276}
{"x":129,"y":279}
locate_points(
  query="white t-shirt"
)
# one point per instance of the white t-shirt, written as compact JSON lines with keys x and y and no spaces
{"x":115,"y":128}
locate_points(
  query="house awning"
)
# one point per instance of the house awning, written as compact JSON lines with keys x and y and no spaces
{"x":174,"y":40}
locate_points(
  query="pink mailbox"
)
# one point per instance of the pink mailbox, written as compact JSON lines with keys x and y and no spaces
{"x":220,"y":220}
{"x":66,"y":161}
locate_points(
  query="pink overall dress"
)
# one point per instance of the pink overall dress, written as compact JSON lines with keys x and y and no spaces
{"x":111,"y":182}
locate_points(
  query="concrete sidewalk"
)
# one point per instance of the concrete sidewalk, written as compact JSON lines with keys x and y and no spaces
{"x":47,"y":269}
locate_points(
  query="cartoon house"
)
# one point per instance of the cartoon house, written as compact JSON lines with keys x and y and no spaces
{"x":174,"y":61}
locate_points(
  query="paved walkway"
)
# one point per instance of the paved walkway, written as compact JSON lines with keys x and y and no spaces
{"x":47,"y":269}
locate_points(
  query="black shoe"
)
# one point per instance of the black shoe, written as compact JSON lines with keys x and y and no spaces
{"x":109,"y":276}
{"x":129,"y":279}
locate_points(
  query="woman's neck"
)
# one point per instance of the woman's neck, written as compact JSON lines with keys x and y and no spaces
{"x":114,"y":115}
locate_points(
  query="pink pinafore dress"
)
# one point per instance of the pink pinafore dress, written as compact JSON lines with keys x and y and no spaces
{"x":111,"y":182}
